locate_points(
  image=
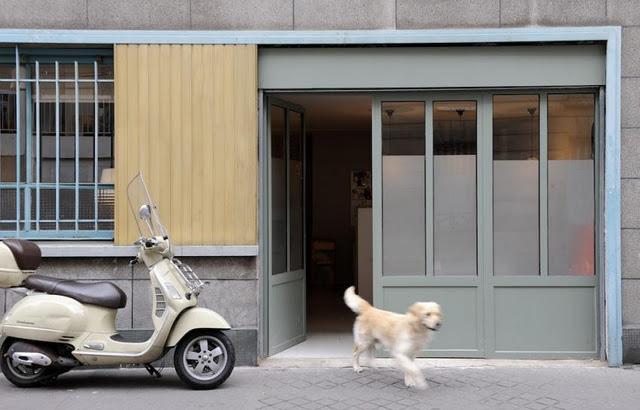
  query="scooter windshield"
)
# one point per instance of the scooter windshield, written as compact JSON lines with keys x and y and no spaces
{"x":144,"y":209}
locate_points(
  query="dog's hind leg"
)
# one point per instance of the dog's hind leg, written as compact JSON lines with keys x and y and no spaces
{"x":358,"y":348}
{"x":361,"y":342}
{"x":371,"y":354}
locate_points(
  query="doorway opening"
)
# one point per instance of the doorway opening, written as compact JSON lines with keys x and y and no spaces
{"x":337,"y":214}
{"x":485,"y":201}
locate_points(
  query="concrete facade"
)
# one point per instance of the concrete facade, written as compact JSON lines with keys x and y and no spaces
{"x":353,"y":15}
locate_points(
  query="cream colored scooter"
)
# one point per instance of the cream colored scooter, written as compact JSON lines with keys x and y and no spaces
{"x":62,"y":324}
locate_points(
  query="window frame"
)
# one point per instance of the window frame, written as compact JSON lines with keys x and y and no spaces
{"x":27,"y":183}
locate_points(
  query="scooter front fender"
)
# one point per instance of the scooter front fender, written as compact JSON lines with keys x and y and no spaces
{"x":195,"y":318}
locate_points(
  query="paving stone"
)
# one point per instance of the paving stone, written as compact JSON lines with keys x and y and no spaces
{"x":251,"y":388}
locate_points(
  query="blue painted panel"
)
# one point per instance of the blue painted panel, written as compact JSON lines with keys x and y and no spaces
{"x":502,"y":35}
{"x":612,"y":208}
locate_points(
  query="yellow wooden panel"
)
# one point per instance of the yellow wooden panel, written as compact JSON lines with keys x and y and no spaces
{"x":163,"y":195}
{"x":197,"y":157}
{"x":176,"y":143}
{"x":208,"y":127}
{"x":218,"y":154}
{"x":121,"y":211}
{"x":133,"y":124}
{"x":186,"y":115}
{"x":228,"y":139}
{"x":187,"y":146}
{"x":154,"y":118}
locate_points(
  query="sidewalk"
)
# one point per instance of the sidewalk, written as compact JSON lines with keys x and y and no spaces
{"x":475,"y":385}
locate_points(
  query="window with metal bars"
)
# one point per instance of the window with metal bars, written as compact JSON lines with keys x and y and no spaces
{"x":56,"y":143}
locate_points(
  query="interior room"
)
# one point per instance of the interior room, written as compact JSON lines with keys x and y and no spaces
{"x":338,"y":216}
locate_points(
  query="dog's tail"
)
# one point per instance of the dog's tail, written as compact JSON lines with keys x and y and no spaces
{"x":355,"y":302}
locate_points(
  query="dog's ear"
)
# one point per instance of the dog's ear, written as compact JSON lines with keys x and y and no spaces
{"x":416,"y":310}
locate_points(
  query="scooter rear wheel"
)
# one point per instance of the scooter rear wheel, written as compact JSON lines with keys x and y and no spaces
{"x":22,"y":375}
{"x":204,"y":359}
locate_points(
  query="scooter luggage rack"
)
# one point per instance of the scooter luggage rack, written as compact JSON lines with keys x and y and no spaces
{"x":192,"y":280}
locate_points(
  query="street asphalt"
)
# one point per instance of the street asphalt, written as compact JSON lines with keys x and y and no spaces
{"x":483,"y":386}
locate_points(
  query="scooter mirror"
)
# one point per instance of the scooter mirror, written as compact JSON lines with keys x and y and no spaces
{"x":145,"y":212}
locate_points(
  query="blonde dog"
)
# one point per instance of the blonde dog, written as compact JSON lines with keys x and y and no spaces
{"x":403,"y":335}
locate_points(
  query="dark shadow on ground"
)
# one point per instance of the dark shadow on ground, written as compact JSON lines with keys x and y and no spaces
{"x":116,"y":379}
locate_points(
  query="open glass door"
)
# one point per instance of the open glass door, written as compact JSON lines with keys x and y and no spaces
{"x":287,"y":279}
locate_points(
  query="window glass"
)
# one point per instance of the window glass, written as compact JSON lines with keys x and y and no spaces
{"x":571,"y":198}
{"x":105,"y":71}
{"x":403,"y":215}
{"x":7,"y":71}
{"x":454,"y":187}
{"x":516,"y":185}
{"x":296,"y":200}
{"x":278,"y":191}
{"x":7,"y":154}
{"x":7,"y":133}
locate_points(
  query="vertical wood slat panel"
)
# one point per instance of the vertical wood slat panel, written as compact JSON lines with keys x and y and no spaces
{"x":187,"y":117}
{"x":184,"y":189}
{"x":175,"y":97}
{"x":142,"y":118}
{"x":208,"y":128}
{"x":132,"y":124}
{"x":218,"y":146}
{"x":154,"y":91}
{"x":229,"y":137}
{"x":164,"y":140}
{"x":197,"y":158}
{"x":120,"y":162}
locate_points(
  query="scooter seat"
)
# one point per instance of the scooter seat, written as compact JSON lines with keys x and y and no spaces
{"x":104,"y":294}
{"x":26,"y":253}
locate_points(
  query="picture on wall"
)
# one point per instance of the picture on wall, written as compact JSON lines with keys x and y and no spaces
{"x":360,"y":192}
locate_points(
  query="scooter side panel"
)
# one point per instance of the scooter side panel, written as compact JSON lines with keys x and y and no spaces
{"x":49,"y":318}
{"x":195,"y":318}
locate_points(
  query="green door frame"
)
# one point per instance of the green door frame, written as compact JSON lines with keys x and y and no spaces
{"x":288,"y":277}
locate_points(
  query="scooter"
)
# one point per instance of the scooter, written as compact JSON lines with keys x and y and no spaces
{"x":63,"y":324}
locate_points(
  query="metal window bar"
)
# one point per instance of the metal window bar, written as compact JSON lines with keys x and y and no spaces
{"x":57,"y":167}
{"x":18,"y":130}
{"x":77,"y":144}
{"x":37,"y":145}
{"x":95,"y":145}
{"x":28,"y":153}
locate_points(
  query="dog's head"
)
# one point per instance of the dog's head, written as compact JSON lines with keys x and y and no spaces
{"x":429,"y":314}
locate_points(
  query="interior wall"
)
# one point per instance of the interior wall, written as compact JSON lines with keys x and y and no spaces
{"x":335,"y":153}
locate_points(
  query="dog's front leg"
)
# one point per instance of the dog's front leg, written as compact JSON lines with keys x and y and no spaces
{"x":412,"y":375}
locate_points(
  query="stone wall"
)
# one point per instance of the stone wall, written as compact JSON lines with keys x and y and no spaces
{"x":232,"y":291}
{"x":311,"y":14}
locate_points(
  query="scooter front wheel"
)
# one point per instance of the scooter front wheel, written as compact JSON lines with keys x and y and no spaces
{"x":204,"y":359}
